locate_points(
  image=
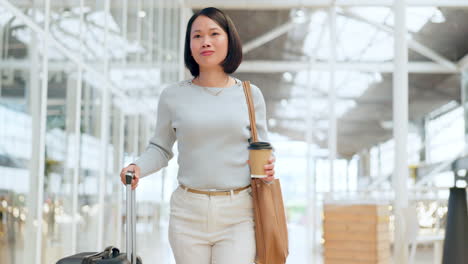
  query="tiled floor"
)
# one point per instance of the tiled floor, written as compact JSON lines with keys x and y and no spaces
{"x":154,"y":246}
{"x":159,"y":248}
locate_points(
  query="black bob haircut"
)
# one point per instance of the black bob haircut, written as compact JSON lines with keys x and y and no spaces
{"x":234,"y":54}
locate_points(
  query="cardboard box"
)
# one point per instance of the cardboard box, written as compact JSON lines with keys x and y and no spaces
{"x":356,"y":233}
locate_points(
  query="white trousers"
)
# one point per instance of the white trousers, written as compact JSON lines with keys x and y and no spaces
{"x":207,"y":229}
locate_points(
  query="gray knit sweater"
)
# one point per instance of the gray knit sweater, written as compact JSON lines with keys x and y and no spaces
{"x":212,"y":133}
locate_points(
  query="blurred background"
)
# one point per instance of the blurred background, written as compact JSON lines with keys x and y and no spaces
{"x":365,"y":107}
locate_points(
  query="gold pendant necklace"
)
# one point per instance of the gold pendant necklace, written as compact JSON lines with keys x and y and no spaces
{"x":207,"y":89}
{"x":211,"y":92}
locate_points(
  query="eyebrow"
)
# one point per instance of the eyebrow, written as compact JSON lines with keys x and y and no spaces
{"x":200,"y":30}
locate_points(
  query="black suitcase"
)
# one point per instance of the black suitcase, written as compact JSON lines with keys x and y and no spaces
{"x":112,"y":255}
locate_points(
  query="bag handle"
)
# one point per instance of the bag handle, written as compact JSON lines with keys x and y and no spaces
{"x":248,"y":97}
{"x":109,"y":252}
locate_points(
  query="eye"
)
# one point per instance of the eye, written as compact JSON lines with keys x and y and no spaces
{"x":215,"y":33}
{"x":196,"y":36}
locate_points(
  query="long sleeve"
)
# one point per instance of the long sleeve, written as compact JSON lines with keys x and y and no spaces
{"x":159,"y":151}
{"x":260,"y":114}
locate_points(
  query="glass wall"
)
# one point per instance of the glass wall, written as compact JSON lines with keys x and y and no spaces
{"x":63,"y":146}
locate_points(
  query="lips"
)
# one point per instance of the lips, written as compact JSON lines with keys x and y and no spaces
{"x":207,"y":53}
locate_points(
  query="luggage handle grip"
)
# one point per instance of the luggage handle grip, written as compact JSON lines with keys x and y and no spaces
{"x":129,"y":176}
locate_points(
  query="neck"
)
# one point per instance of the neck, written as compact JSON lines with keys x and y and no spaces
{"x":213,"y":79}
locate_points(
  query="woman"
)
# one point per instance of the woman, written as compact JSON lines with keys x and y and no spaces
{"x":211,"y":218}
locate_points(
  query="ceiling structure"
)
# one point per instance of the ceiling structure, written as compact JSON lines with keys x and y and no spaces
{"x":287,"y":55}
{"x":364,"y":105}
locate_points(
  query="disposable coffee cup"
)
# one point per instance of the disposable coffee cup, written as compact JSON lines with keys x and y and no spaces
{"x":259,"y":154}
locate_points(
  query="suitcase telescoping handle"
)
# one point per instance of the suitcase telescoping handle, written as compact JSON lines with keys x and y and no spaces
{"x":131,"y":218}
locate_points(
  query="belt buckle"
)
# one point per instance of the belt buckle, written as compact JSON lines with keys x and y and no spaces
{"x":210,"y":192}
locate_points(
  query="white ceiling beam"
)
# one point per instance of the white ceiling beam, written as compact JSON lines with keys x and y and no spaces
{"x":431,"y":54}
{"x":259,"y":4}
{"x":412,"y":44}
{"x":287,"y":4}
{"x":268,"y":36}
{"x":463,"y":63}
{"x":383,"y":67}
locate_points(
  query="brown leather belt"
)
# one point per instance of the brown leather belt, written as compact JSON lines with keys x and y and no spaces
{"x":215,"y":193}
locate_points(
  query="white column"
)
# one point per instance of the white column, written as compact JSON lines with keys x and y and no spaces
{"x":104,"y":135}
{"x":379,"y":161}
{"x":124,"y":27}
{"x":348,"y":161}
{"x":133,"y":130}
{"x":427,"y":141}
{"x":138,"y":28}
{"x":400,"y":132}
{"x":163,"y":29}
{"x":118,"y":143}
{"x":87,"y":109}
{"x":41,"y":136}
{"x":35,"y":112}
{"x":310,"y":175}
{"x":167,"y":38}
{"x":119,"y":137}
{"x":464,"y":99}
{"x":311,"y":187}
{"x":182,"y":24}
{"x":160,"y":35}
{"x":332,"y":135}
{"x":170,"y":37}
{"x":1,"y":57}
{"x":77,"y":138}
{"x":175,"y":38}
{"x":151,"y":33}
{"x":72,"y":167}
{"x":43,"y":130}
{"x":143,"y":133}
{"x":185,"y":14}
{"x":364,"y":164}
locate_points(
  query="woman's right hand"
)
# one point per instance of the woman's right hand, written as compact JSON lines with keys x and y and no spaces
{"x":136,"y":172}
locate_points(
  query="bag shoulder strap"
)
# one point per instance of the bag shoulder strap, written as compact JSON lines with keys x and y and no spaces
{"x":248,"y":97}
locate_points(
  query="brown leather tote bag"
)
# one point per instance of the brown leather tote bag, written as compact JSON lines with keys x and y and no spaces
{"x":271,"y":231}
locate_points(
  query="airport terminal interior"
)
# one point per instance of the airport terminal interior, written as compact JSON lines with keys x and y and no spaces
{"x":366,"y":109}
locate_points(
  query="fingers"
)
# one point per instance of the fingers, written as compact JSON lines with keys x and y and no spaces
{"x":269,"y":168}
{"x":135,"y":182}
{"x":270,"y":172}
{"x":271,"y":163}
{"x":122,"y":174}
{"x":136,"y":173}
{"x":269,"y":178}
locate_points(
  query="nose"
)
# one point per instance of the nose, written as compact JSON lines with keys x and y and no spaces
{"x":206,"y":43}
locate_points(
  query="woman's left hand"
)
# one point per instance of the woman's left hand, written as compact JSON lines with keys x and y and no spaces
{"x":270,"y":169}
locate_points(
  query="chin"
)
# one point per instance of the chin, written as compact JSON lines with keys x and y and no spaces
{"x":210,"y":64}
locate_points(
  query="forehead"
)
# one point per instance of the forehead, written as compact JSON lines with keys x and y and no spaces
{"x":203,"y":23}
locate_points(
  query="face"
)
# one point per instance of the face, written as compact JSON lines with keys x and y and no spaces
{"x":208,"y":42}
